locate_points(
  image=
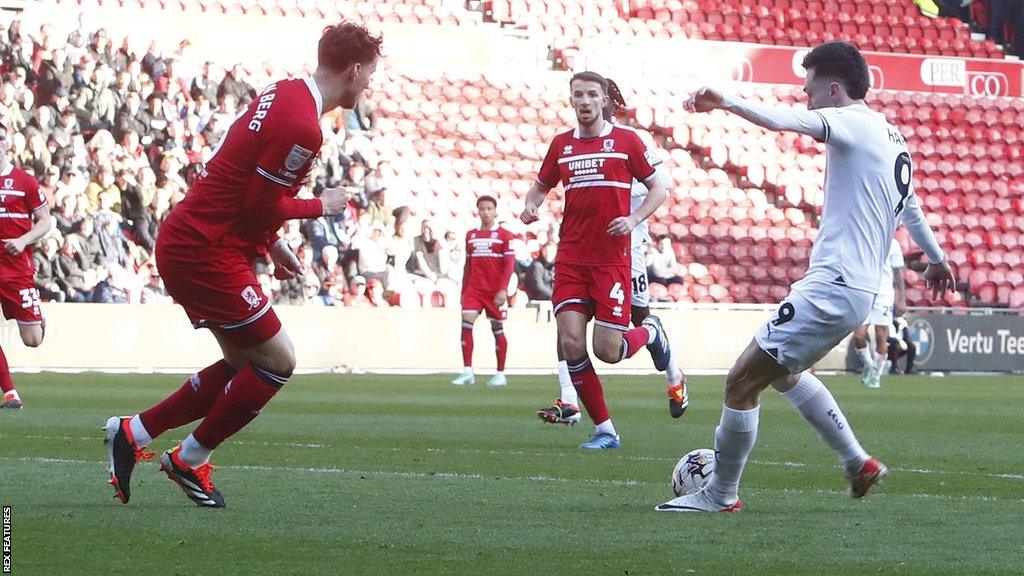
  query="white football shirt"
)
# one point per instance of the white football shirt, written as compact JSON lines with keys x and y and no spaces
{"x":638,"y":193}
{"x":867,"y":186}
{"x":893,"y":262}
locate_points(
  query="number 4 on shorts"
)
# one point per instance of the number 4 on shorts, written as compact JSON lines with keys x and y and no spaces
{"x":617,"y":294}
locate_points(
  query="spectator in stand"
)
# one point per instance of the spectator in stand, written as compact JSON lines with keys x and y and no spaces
{"x":234,"y":84}
{"x":361,"y":120}
{"x":35,"y":159}
{"x":373,"y":257}
{"x":329,"y":272}
{"x":102,"y":183}
{"x":10,"y":110}
{"x":453,"y":257}
{"x":1003,"y":14}
{"x":46,"y":273}
{"x":129,"y":117}
{"x":375,"y":294}
{"x":112,"y":287}
{"x":55,"y":75}
{"x":73,"y":280}
{"x":96,"y":105}
{"x":539,"y":278}
{"x":204,"y":83}
{"x":153,"y":291}
{"x":662,"y":266}
{"x":154,"y":119}
{"x":113,"y":245}
{"x":356,"y":296}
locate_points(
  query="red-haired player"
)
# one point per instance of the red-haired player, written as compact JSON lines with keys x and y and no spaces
{"x":489,"y":267}
{"x":206,"y":249}
{"x":24,"y":218}
{"x":596,"y":164}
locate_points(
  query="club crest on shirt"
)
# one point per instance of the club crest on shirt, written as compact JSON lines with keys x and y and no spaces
{"x":297,"y":158}
{"x":251,"y":297}
{"x":8,"y":183}
{"x":608,"y":145}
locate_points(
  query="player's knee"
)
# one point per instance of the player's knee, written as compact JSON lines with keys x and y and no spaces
{"x":739,"y":390}
{"x":608,"y":353}
{"x":572,"y":345}
{"x":32,"y":339}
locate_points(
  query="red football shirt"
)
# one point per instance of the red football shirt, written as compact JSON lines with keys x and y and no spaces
{"x":264,"y":157}
{"x":489,"y":260}
{"x":19,"y":197}
{"x":596,"y":174}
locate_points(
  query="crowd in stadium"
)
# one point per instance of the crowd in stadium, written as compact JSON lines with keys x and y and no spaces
{"x":116,"y":137}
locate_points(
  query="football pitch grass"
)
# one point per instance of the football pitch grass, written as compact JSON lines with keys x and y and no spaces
{"x":404,"y":475}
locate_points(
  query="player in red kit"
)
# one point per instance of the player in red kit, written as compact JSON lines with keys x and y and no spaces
{"x":489,"y":267}
{"x":24,"y":218}
{"x":205,"y":252}
{"x":596,"y":164}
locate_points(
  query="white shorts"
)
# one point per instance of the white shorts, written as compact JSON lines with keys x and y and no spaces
{"x":815,"y":317}
{"x":641,"y":297}
{"x":880,"y":315}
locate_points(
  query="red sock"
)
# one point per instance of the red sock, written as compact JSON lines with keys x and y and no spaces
{"x":6,"y":384}
{"x":190,"y":402}
{"x":250,"y":390}
{"x":467,"y":344}
{"x":501,"y":348}
{"x":634,"y":340}
{"x":588,"y":386}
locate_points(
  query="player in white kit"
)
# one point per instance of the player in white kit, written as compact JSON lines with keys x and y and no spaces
{"x":891,"y":299}
{"x":867,"y":192}
{"x":565,"y":410}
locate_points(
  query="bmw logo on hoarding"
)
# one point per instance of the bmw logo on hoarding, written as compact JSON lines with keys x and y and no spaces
{"x":923,"y":336}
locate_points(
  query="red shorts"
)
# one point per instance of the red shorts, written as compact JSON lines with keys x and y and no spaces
{"x":603,"y":291}
{"x":20,"y":300}
{"x":476,"y":300}
{"x":218,"y":290}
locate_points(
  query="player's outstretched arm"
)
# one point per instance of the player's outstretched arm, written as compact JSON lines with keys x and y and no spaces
{"x":534,"y":198}
{"x":938,"y":275}
{"x":770,"y":117}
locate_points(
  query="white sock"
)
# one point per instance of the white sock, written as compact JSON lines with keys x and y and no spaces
{"x":139,"y":432}
{"x":879,"y":363}
{"x":651,"y":334}
{"x":192,"y":453}
{"x":734,"y":440}
{"x":864,"y":354}
{"x":568,"y":394}
{"x":672,"y":375}
{"x":467,"y":370}
{"x":606,"y":427}
{"x":816,"y":404}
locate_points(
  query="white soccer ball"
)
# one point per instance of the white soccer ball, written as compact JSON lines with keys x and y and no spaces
{"x":693,"y":471}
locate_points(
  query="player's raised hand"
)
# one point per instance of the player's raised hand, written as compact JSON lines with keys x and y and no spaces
{"x":621,"y":226}
{"x":286,"y":264}
{"x":336,"y":199}
{"x":704,"y":100}
{"x":14,"y":246}
{"x":939,"y":278}
{"x":529,"y":215}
